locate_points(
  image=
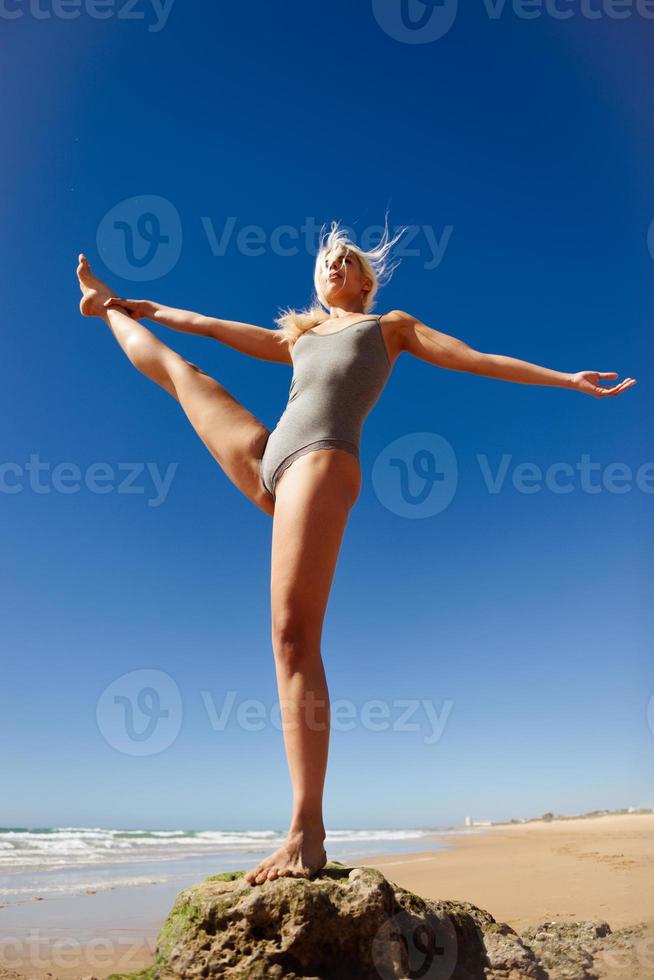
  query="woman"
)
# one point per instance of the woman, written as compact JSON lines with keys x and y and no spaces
{"x":305,"y":473}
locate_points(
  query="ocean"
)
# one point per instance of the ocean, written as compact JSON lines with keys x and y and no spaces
{"x":55,"y":848}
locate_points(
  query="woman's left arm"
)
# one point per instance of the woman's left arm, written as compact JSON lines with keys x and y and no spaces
{"x":444,"y":351}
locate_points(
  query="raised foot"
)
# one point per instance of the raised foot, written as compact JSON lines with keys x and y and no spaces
{"x":298,"y":857}
{"x":94,"y":291}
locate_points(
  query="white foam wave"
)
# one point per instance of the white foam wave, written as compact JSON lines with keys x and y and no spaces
{"x":70,"y":846}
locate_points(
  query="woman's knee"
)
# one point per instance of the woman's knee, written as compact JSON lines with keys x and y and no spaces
{"x":154,"y":360}
{"x":294,"y":640}
{"x":144,"y":354}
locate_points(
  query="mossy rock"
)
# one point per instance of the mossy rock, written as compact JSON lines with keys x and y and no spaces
{"x":354,"y":924}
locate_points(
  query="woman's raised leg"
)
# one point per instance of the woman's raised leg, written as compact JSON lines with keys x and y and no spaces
{"x":314,"y":497}
{"x":233,"y":435}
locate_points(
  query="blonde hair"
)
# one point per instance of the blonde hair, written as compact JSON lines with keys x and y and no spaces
{"x":374,"y":265}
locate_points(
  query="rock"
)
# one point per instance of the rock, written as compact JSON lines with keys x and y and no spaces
{"x":583,"y":950}
{"x":354,"y":924}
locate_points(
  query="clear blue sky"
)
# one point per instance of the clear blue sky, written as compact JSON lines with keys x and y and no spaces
{"x":525,"y":148}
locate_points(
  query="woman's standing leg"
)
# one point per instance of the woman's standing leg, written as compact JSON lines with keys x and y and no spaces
{"x":313,"y":501}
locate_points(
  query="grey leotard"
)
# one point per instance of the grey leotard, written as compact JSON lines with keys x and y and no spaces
{"x":337,"y":378}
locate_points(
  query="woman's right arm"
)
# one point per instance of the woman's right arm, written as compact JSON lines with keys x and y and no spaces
{"x":245,"y":337}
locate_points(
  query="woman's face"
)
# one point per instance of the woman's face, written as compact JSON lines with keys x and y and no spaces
{"x":343,"y":280}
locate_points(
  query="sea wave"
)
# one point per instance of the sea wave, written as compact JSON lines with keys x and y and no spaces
{"x":58,"y":847}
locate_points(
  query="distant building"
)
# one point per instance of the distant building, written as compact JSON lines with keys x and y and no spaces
{"x":468,"y":821}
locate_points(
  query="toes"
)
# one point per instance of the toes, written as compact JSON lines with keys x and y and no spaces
{"x":83,"y":269}
{"x":252,"y":874}
{"x":259,"y":875}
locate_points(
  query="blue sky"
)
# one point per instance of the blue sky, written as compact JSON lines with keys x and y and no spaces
{"x":519,"y":620}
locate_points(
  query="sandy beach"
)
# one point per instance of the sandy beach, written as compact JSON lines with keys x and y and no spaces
{"x":594,"y":867}
{"x":589,"y":868}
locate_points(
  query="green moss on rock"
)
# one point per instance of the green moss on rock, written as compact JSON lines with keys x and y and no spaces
{"x":147,"y":974}
{"x":226,"y":876}
{"x":185,"y":913}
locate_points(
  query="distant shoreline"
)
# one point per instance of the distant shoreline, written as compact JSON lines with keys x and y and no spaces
{"x":544,"y":818}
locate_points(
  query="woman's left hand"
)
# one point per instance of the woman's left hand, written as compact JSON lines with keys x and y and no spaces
{"x":138,"y":309}
{"x":586,"y":381}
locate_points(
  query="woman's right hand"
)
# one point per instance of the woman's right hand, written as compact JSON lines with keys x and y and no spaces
{"x":138,"y":309}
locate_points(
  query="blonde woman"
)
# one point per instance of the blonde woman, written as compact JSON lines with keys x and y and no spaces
{"x":306,"y":472}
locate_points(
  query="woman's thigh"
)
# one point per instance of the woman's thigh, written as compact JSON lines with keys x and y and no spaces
{"x":232,"y":434}
{"x":313,"y":500}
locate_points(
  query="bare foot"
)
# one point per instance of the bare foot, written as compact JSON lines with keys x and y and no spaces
{"x":300,"y":856}
{"x":94,"y":291}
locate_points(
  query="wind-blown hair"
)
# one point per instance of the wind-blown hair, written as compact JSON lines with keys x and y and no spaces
{"x":375,"y":264}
